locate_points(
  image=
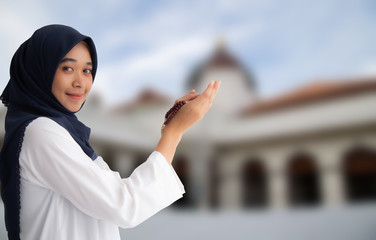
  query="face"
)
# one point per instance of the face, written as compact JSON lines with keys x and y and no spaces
{"x":73,"y":78}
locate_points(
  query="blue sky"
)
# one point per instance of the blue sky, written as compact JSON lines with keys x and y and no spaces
{"x":156,"y":44}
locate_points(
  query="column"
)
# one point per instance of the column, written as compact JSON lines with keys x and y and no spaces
{"x":277,"y":177}
{"x":332,"y":187}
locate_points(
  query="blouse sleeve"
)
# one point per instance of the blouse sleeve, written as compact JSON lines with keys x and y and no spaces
{"x":52,"y":159}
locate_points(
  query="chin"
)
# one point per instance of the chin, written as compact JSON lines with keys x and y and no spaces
{"x":73,"y":109}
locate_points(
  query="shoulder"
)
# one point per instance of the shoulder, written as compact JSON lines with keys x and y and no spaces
{"x":41,"y":123}
{"x":43,"y":130}
{"x":44,"y":125}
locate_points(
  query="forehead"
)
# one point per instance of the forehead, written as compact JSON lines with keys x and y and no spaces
{"x":79,"y":52}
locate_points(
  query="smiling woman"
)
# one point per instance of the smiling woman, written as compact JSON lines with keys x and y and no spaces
{"x":73,"y":78}
{"x":53,"y":184}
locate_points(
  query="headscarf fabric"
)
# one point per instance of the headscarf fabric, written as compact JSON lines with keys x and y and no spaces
{"x":28,"y":96}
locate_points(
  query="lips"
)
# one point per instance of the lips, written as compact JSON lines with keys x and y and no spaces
{"x":76,"y":96}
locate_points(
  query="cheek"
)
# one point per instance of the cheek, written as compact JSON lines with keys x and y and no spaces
{"x":57,"y":87}
{"x":89,"y":85}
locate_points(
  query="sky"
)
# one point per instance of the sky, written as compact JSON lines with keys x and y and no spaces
{"x":156,"y":44}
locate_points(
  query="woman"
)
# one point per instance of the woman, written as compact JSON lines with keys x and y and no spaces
{"x":54,"y":186}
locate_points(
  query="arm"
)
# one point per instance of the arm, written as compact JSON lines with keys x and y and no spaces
{"x":51,"y":159}
{"x":192,"y":112}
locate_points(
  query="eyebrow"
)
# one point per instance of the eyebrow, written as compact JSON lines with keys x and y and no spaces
{"x":73,"y":60}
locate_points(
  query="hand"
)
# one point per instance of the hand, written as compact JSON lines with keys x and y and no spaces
{"x":194,"y":110}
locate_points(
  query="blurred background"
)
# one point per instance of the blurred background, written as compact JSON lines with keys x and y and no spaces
{"x":288,"y":150}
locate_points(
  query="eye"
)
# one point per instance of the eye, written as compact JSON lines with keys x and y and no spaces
{"x":68,"y":69}
{"x":87,"y":71}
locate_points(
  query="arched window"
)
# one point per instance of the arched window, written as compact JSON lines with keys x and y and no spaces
{"x":254,"y":184}
{"x":182,"y":169}
{"x":303,"y":181}
{"x":359,"y":168}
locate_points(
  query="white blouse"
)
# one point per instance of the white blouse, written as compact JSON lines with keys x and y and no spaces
{"x":66,"y":195}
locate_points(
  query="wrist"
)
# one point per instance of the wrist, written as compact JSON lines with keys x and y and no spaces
{"x":168,"y":143}
{"x":171,"y":113}
{"x":172,"y":133}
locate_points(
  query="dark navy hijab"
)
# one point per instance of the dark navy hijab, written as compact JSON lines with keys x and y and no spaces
{"x":28,"y":96}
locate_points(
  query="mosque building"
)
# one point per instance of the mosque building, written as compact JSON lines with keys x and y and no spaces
{"x":312,"y":146}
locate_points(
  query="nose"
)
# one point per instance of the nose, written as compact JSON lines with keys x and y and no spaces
{"x":78,"y":81}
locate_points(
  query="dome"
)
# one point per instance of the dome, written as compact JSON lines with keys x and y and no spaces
{"x":221,"y":58}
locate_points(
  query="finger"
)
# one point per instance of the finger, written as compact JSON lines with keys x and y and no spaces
{"x":216,"y":86}
{"x":209,"y":89}
{"x":212,"y":89}
{"x":192,"y":96}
